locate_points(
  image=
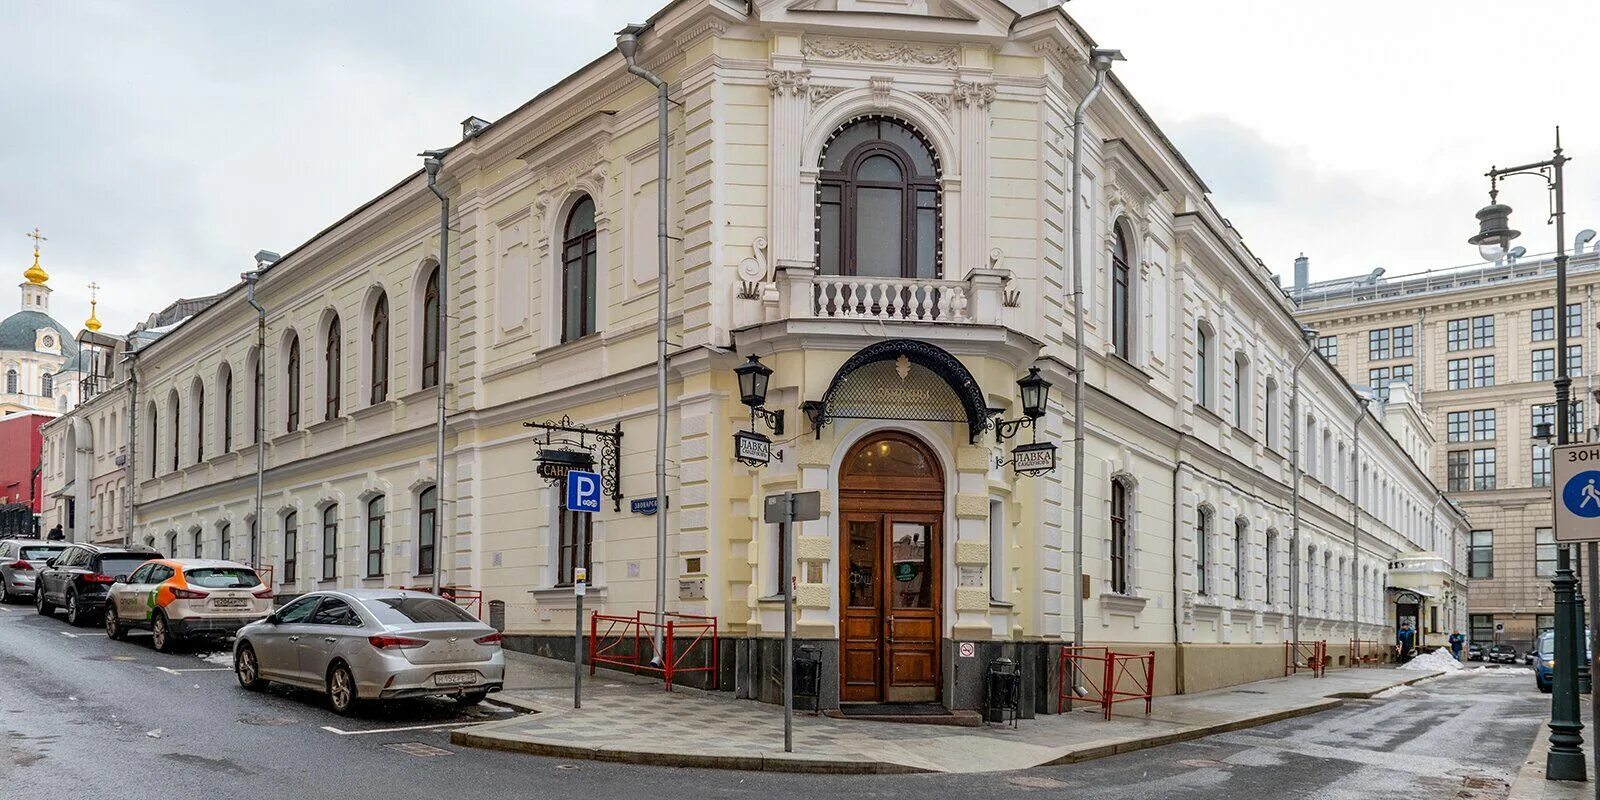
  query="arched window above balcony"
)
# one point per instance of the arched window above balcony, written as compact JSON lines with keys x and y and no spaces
{"x":878,"y":202}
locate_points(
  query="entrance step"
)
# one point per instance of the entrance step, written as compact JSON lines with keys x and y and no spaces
{"x":917,"y":713}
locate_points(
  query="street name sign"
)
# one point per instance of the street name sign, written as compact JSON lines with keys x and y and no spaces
{"x":1576,"y":469}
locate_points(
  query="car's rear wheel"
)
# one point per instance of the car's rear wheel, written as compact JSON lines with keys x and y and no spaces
{"x":161,"y":635}
{"x":471,"y":698}
{"x":40,"y":604}
{"x":75,"y":613}
{"x":5,"y":592}
{"x":342,"y":694}
{"x":114,"y":629}
{"x":247,"y":668}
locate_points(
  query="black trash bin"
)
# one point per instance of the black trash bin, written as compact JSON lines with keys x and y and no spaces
{"x":1002,"y":692}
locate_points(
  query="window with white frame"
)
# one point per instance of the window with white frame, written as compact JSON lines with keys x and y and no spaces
{"x":997,"y":541}
{"x":1121,"y":536}
{"x":1328,"y":348}
{"x":1241,"y":559}
{"x":1202,"y":548}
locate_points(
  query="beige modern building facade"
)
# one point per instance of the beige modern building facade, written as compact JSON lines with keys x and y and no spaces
{"x":872,"y":198}
{"x":1478,"y":344}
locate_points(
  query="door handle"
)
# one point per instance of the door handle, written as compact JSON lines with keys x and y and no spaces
{"x":294,"y":638}
{"x":889,"y":633}
{"x":329,"y":639}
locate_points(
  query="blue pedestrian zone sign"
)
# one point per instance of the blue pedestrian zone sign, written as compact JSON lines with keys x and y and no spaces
{"x":1581,"y":494}
{"x":583,"y":492}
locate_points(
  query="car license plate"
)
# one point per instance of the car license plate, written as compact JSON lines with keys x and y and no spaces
{"x":455,"y":678}
{"x":230,"y":602}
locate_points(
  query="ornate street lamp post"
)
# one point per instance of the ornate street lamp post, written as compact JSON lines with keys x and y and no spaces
{"x":1564,"y":762}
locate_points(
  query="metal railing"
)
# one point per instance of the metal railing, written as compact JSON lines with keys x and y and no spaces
{"x":1105,"y":678}
{"x":629,"y":643}
{"x":1312,"y":656}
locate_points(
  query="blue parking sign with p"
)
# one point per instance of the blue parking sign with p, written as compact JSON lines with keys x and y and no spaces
{"x":583,"y":491}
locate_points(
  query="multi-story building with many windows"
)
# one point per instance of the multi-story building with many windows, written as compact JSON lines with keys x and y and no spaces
{"x":871,"y":197}
{"x":1478,"y":343}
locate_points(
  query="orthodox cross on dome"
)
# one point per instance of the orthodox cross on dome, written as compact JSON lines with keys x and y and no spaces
{"x":36,"y":274}
{"x":93,"y":322}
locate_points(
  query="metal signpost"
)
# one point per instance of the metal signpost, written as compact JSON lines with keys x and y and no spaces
{"x":1576,"y":470}
{"x":784,"y":510}
{"x":583,"y":497}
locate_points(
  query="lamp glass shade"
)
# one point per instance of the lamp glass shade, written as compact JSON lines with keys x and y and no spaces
{"x":1494,"y":226}
{"x":1543,"y":432}
{"x":753,"y":377}
{"x":1035,"y":393}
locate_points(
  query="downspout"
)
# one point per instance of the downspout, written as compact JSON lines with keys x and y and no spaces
{"x":433,"y":160}
{"x":1101,"y":60}
{"x":1294,"y":464}
{"x":628,"y":44}
{"x":257,"y":397}
{"x":133,"y":440}
{"x":1177,"y":582}
{"x":1355,"y":526}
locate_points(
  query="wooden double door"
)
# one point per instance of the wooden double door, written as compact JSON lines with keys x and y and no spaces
{"x":892,"y":511}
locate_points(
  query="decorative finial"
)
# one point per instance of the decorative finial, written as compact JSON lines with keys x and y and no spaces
{"x":36,"y":274}
{"x":93,"y":322}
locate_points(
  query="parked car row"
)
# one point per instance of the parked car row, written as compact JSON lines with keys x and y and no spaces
{"x":353,"y":645}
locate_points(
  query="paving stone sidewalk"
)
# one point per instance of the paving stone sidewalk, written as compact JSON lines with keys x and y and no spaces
{"x":631,"y":719}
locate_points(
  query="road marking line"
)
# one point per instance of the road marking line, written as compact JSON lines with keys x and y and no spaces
{"x":331,"y":729}
{"x":171,"y":671}
{"x":70,"y":635}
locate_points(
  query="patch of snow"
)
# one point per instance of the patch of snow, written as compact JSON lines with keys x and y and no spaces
{"x":1436,"y":661}
{"x":219,"y":659}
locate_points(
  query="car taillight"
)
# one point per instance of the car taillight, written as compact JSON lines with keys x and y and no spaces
{"x":189,"y":594}
{"x":493,"y":638}
{"x":265,"y":593}
{"x":22,"y":566}
{"x":383,"y":642}
{"x":93,"y":577}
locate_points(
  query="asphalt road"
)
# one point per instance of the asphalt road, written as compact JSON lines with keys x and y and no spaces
{"x":85,"y":717}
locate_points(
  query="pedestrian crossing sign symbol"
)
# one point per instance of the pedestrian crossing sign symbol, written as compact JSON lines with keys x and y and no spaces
{"x":1576,"y":470}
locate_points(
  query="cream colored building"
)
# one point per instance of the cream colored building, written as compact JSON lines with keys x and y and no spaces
{"x":871,"y":197}
{"x":1479,"y":346}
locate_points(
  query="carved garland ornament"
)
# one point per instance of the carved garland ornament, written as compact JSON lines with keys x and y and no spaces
{"x":882,"y":53}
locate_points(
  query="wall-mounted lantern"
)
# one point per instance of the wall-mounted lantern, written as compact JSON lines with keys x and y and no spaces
{"x":1037,"y":457}
{"x":750,"y":447}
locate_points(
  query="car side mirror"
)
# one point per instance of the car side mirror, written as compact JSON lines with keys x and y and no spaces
{"x":51,"y":563}
{"x":119,"y":579}
{"x":272,"y":619}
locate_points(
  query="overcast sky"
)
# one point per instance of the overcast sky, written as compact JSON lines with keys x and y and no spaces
{"x":161,"y":144}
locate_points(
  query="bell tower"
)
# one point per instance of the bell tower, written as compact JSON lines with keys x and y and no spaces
{"x":35,"y":294}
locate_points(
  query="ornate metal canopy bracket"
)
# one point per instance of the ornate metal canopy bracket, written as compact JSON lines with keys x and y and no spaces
{"x":560,"y":433}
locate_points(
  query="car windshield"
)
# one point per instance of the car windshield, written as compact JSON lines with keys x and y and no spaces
{"x":40,"y":552}
{"x":222,"y":577}
{"x":411,"y":610}
{"x":1547,"y":645}
{"x":121,"y":563}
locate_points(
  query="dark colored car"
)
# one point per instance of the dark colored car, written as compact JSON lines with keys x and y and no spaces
{"x":1502,"y":654}
{"x":1544,"y":661}
{"x":81,"y":576}
{"x":1474,"y":652}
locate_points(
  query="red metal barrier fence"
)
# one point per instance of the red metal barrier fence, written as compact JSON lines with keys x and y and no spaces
{"x":1106,"y":678}
{"x":629,"y":643}
{"x":1306,"y":655}
{"x":1366,"y":651}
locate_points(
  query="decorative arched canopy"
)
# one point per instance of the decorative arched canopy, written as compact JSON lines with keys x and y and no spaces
{"x":902,"y":379}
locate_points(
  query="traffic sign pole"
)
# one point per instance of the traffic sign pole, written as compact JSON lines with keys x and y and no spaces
{"x":582,"y":497}
{"x":786,"y":530}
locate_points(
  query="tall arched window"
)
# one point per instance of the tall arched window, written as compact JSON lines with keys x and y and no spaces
{"x":332,"y":369}
{"x":47,"y":385}
{"x":199,"y":543}
{"x":1272,"y":567}
{"x":579,"y":249}
{"x":430,"y":330}
{"x":1121,"y":297}
{"x":1241,"y":391}
{"x":1241,"y":560}
{"x":1272,"y":413}
{"x":224,"y":541}
{"x":173,"y":424}
{"x":199,"y":421}
{"x":291,"y":370}
{"x":375,"y":537}
{"x":1202,"y":551}
{"x":152,"y":423}
{"x":878,"y":202}
{"x":330,"y":542}
{"x":225,"y":413}
{"x":380,"y":349}
{"x":1121,"y":536}
{"x":427,"y":529}
{"x":1204,"y":358}
{"x":11,"y":381}
{"x":258,"y":397}
{"x":291,"y":545}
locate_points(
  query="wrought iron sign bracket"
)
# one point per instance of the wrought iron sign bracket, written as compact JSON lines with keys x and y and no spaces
{"x":559,"y":433}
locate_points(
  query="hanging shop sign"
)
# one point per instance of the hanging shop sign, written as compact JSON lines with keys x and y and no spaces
{"x":565,"y":447}
{"x":1037,"y":458}
{"x":555,"y":463}
{"x":752,"y":448}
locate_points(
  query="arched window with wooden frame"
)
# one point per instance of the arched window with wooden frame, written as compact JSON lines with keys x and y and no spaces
{"x":579,"y":256}
{"x":375,"y":537}
{"x":1122,"y":295}
{"x":879,"y":203}
{"x":1202,"y":551}
{"x":291,"y":372}
{"x":291,"y":545}
{"x":330,"y":542}
{"x":378,"y":342}
{"x":199,"y":419}
{"x":174,"y":426}
{"x":11,"y":381}
{"x":332,"y":370}
{"x":1121,"y":536}
{"x":430,"y":330}
{"x":1241,"y":560}
{"x":225,"y":410}
{"x":427,"y":529}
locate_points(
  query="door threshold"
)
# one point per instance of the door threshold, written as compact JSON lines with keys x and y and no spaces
{"x":915,"y":713}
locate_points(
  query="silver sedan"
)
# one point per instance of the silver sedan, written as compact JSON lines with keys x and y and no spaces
{"x":372,"y":644}
{"x":20,"y":560}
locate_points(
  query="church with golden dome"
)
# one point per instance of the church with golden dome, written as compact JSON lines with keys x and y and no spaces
{"x":39,"y":358}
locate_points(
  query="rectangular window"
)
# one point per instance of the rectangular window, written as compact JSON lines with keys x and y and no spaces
{"x":1543,"y":414}
{"x":997,"y":528}
{"x":1459,"y":373}
{"x":375,"y":538}
{"x":1483,"y":425}
{"x":1543,"y":623}
{"x":1482,"y":371}
{"x":1458,"y":470}
{"x":1575,"y":360}
{"x":1483,"y":469}
{"x":1378,"y":344}
{"x":291,"y":546}
{"x":1544,"y":324}
{"x":1544,"y":552}
{"x":1328,"y":348}
{"x":1574,"y":419}
{"x":330,"y":544}
{"x":1543,"y":362}
{"x":427,"y":529}
{"x":1574,"y":320}
{"x":1480,"y":555}
{"x":1403,"y":373}
{"x":572,"y":526}
{"x":1541,"y":466}
{"x":1404,"y":338}
{"x":1458,"y":334}
{"x":1458,"y":426}
{"x":1483,"y":331}
{"x":1481,"y":626}
{"x":1202,"y":547}
{"x":1378,"y":381}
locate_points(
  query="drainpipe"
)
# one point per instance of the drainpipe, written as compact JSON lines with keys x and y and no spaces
{"x":1355,"y":525}
{"x":133,"y":440}
{"x":433,"y":160}
{"x":257,"y":398}
{"x":1177,"y":582}
{"x":628,"y":45}
{"x":1294,"y":462}
{"x":1101,"y":60}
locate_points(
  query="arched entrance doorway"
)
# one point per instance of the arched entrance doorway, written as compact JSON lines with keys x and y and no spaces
{"x":891,"y":502}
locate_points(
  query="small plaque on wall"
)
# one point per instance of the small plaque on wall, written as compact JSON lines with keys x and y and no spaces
{"x":970,"y":576}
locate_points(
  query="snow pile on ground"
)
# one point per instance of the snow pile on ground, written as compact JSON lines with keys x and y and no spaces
{"x":1436,"y":661}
